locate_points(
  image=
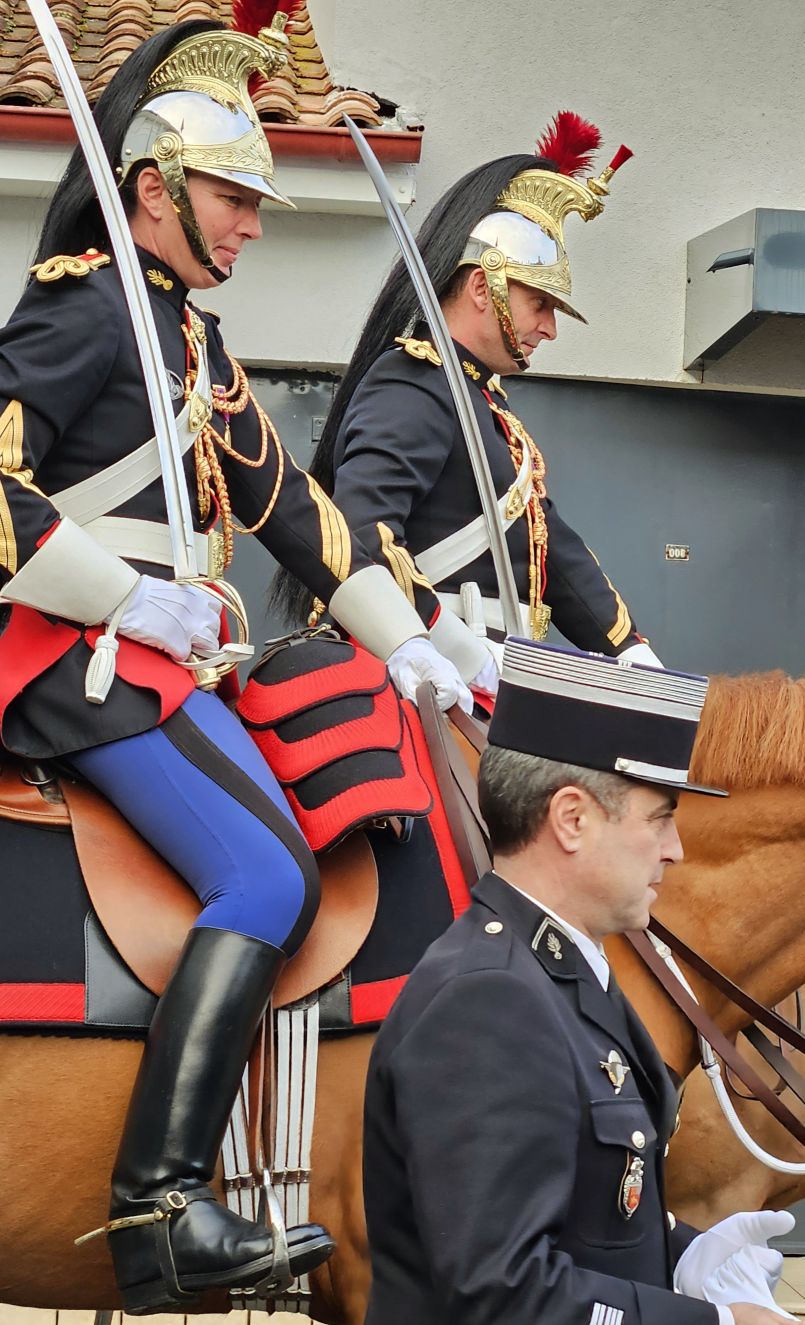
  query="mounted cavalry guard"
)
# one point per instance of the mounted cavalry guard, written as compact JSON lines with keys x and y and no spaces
{"x":517,"y":1111}
{"x":392,"y":453}
{"x":95,"y":632}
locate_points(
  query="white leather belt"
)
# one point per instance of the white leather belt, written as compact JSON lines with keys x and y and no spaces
{"x":84,"y":502}
{"x":458,"y":549}
{"x":493,"y":613}
{"x":145,"y":540}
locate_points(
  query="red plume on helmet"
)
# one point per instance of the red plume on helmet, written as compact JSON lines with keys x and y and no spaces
{"x":250,"y":16}
{"x":570,"y":142}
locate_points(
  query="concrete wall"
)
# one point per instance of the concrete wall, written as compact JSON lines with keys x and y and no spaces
{"x":708,"y":96}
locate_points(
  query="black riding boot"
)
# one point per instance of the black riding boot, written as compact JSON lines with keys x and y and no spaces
{"x":200,"y":1038}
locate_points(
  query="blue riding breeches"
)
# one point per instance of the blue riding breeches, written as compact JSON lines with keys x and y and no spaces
{"x":198,"y":789}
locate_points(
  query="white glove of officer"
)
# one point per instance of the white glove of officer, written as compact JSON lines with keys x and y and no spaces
{"x":734,"y":1281}
{"x":417,"y":660}
{"x":177,"y":618}
{"x":488,"y":678}
{"x":742,"y":1238}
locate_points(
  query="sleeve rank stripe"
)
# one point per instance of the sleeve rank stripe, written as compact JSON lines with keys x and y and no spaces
{"x":8,"y":541}
{"x":336,"y":542}
{"x":402,"y":564}
{"x":604,"y":1315}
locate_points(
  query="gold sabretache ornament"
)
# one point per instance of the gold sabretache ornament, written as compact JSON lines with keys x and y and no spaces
{"x":523,"y":238}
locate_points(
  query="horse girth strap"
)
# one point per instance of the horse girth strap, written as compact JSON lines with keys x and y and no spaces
{"x":713,"y":1034}
{"x":766,"y":1016}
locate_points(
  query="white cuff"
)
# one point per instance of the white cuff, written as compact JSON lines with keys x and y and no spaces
{"x":641,"y":653}
{"x":725,"y":1316}
{"x":371,"y":606}
{"x":457,"y":642}
{"x":72,"y":576}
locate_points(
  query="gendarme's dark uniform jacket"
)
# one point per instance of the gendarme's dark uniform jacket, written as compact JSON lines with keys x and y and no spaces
{"x":73,"y":402}
{"x":404,"y":481}
{"x":496,"y":1146}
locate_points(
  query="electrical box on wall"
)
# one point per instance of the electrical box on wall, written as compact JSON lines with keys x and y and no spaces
{"x":740,"y":274}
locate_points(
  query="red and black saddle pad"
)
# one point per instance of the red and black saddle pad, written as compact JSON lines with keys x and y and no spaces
{"x":329,"y":723}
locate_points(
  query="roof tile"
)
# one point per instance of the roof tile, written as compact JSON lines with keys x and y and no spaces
{"x":100,"y":35}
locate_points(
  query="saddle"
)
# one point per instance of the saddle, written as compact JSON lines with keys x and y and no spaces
{"x":145,"y":909}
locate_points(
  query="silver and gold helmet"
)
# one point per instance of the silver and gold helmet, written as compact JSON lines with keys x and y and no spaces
{"x":523,"y":238}
{"x":197,"y":115}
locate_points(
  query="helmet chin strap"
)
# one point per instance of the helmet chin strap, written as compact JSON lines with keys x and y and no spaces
{"x":167,"y":151}
{"x":493,"y":264}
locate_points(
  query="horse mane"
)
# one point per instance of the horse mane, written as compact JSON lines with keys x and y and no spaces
{"x":752,"y":732}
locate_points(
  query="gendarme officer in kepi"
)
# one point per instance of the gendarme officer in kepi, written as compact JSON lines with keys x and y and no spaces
{"x":517,"y":1112}
{"x":392,"y":450}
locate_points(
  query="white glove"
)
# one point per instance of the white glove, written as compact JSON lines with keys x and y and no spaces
{"x":736,"y":1281}
{"x":177,"y":618}
{"x":747,"y":1232}
{"x":641,"y":653}
{"x":488,"y":677}
{"x":416,"y":661}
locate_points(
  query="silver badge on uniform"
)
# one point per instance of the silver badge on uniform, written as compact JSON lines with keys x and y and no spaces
{"x":615,"y":1069}
{"x":632,"y":1186}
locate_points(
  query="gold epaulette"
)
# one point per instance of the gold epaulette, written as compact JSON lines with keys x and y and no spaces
{"x":419,"y":349}
{"x":211,"y":312}
{"x":54,"y":268}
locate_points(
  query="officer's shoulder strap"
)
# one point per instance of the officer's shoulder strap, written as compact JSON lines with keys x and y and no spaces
{"x":53,"y":269}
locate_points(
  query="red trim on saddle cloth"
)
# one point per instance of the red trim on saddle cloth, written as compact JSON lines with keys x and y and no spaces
{"x":33,"y":1002}
{"x":407,"y":794}
{"x":290,"y":760}
{"x":437,"y":820}
{"x":374,"y":1000}
{"x":266,"y":702}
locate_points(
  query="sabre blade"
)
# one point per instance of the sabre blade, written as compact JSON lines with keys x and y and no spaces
{"x":177,"y":500}
{"x":509,"y":599}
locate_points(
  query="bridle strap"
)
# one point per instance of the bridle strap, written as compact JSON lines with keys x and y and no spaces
{"x":766,"y":1016}
{"x":712,"y":1033}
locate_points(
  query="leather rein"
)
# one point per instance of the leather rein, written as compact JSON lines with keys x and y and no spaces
{"x":656,"y":960}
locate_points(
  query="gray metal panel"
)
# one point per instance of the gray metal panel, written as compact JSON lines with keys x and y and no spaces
{"x":722,"y":307}
{"x":779,"y":262}
{"x":716,"y":302}
{"x":634,"y":469}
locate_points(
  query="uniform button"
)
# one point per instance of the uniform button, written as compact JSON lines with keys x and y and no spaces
{"x":494,"y":927}
{"x":638,"y":1140}
{"x":671,"y":1220}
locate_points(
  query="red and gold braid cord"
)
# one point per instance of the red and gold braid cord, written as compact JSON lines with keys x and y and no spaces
{"x":210,"y":478}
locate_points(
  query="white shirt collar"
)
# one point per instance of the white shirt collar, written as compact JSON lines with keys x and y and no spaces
{"x":592,"y":952}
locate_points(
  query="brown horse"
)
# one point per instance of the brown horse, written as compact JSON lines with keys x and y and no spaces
{"x":738,"y":898}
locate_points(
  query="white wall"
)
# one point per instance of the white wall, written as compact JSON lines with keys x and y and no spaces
{"x":709,"y":96}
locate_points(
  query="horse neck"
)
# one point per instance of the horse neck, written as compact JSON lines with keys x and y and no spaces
{"x":739,"y":901}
